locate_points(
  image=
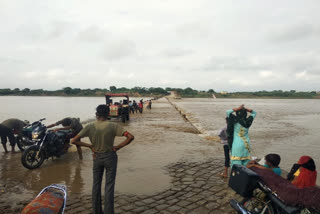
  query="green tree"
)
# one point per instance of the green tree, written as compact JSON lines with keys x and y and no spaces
{"x":26,"y":90}
{"x":67,"y":90}
{"x":113,"y":88}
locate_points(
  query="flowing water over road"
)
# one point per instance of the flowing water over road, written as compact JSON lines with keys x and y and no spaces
{"x":289,"y":127}
{"x":162,"y":137}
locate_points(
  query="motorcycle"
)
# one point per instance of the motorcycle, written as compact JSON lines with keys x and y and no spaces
{"x":25,"y":139}
{"x":48,"y":144}
{"x":258,"y":197}
{"x":56,"y":194}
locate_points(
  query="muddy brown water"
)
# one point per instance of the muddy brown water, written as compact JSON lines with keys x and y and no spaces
{"x":162,"y":137}
{"x":289,"y":127}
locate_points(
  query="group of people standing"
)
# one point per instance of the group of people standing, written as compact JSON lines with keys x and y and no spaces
{"x":134,"y":107}
{"x":237,"y":150}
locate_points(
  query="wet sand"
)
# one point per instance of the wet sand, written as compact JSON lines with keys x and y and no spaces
{"x":147,"y":169}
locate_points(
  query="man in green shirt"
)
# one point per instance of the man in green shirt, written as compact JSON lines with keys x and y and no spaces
{"x":101,"y":134}
{"x":72,"y":124}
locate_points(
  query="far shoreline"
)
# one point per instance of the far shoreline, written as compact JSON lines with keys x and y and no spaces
{"x":184,"y":97}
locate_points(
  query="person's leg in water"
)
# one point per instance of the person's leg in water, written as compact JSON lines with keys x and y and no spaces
{"x":12,"y":142}
{"x":4,"y":143}
{"x":79,"y":150}
{"x":67,"y":144}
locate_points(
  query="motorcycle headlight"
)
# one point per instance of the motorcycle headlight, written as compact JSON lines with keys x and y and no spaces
{"x":35,"y":136}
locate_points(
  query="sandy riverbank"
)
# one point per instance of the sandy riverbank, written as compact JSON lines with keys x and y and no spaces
{"x":167,"y":169}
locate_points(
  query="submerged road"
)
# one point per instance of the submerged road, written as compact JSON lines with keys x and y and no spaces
{"x":168,"y":168}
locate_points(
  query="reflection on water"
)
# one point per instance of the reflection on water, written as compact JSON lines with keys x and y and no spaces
{"x":287,"y":127}
{"x":52,"y":171}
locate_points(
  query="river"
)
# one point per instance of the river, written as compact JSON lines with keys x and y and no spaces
{"x":288,"y":127}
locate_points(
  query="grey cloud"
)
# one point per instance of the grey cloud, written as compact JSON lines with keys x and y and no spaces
{"x":41,"y":32}
{"x":234,"y":63}
{"x":294,"y":32}
{"x":177,"y":52}
{"x":193,"y":29}
{"x":119,"y":49}
{"x":299,"y":62}
{"x":57,"y":29}
{"x":11,"y":65}
{"x":92,"y":34}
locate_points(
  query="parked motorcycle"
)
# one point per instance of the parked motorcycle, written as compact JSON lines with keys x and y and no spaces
{"x":258,"y":198}
{"x":25,"y":139}
{"x":48,"y":144}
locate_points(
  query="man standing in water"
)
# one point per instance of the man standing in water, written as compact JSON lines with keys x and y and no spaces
{"x":8,"y":128}
{"x":101,"y":134}
{"x":72,"y":124}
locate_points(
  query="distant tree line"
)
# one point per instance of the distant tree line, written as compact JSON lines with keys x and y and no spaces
{"x":157,"y":92}
{"x":271,"y":94}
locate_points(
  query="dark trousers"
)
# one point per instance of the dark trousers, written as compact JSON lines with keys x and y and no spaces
{"x":132,"y":110}
{"x":109,"y":162}
{"x":5,"y":133}
{"x":226,"y":155}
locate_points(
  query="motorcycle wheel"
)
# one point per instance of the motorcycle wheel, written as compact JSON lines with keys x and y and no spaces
{"x":30,"y":159}
{"x":22,"y":144}
{"x":257,"y":206}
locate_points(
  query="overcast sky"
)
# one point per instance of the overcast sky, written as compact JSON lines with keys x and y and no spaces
{"x":224,"y":45}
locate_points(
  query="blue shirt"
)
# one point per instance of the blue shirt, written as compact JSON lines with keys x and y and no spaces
{"x":275,"y":170}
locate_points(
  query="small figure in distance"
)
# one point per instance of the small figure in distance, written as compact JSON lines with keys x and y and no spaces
{"x":135,"y":106}
{"x":131,"y":108}
{"x":141,"y":106}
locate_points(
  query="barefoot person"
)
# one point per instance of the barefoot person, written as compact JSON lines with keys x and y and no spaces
{"x":238,"y":138}
{"x":101,"y":134}
{"x":11,"y":126}
{"x":5,"y":133}
{"x":224,"y":140}
{"x":72,"y":124}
